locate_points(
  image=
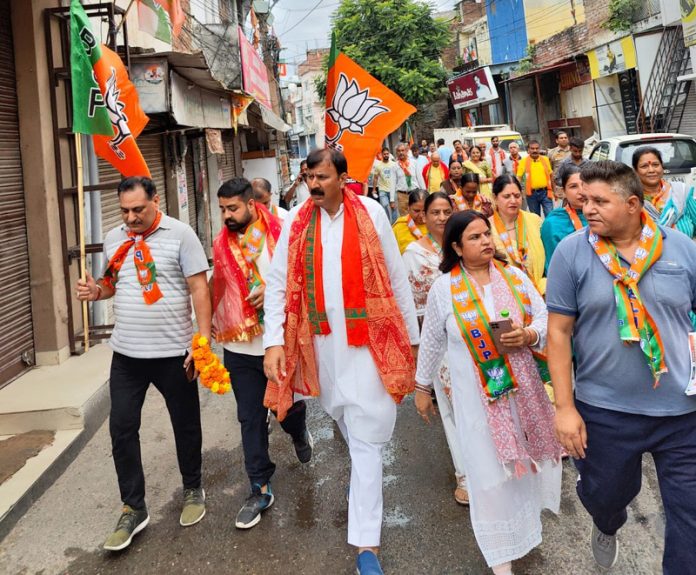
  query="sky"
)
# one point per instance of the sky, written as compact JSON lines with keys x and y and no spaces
{"x":303,"y":24}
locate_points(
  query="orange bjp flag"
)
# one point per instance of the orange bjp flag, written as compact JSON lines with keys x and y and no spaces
{"x":127,"y":117}
{"x":360,"y":113}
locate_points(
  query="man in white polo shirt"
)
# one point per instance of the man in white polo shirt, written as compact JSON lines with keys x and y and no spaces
{"x":156,"y":267}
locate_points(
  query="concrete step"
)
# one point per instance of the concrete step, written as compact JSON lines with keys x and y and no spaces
{"x":55,"y":397}
{"x":71,"y":399}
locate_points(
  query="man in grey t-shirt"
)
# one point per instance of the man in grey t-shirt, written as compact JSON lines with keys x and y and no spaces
{"x":157,"y":266}
{"x":619,"y":410}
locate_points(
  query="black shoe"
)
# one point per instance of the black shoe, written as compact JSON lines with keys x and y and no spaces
{"x":250,"y":513}
{"x":304,"y":447}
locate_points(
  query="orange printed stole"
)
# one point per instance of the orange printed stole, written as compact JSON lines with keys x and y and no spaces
{"x":574,"y":218}
{"x":517,"y":255}
{"x":413,"y":228}
{"x":497,"y":374}
{"x":634,"y":321}
{"x":235,"y":274}
{"x":144,"y":264}
{"x":462,"y":204}
{"x":660,"y":199}
{"x":373,"y":317}
{"x":500,"y":155}
{"x":528,"y":176}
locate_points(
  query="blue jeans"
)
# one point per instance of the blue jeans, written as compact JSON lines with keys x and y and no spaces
{"x":610,"y":474}
{"x":538,"y":200}
{"x":384,"y":199}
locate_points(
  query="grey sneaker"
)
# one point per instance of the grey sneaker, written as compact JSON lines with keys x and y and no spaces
{"x":131,"y":522}
{"x":605,"y":548}
{"x":250,"y":513}
{"x":194,"y":506}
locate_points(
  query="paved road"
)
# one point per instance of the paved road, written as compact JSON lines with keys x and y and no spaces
{"x":425,"y":531}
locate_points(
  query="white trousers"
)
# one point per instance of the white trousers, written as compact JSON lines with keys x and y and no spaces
{"x":365,"y":499}
{"x":444,"y":406}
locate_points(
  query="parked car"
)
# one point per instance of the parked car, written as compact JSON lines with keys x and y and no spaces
{"x":481,"y":135}
{"x":678,"y":152}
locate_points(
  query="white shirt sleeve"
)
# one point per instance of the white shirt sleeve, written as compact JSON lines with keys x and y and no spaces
{"x":540,"y":315}
{"x":417,"y":171}
{"x":276,"y":283}
{"x":396,"y":269}
{"x":433,"y":339}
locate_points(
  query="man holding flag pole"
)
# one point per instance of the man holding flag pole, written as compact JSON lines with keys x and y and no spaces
{"x":157,"y":267}
{"x":346,"y":333}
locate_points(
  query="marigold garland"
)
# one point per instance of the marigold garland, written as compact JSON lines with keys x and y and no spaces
{"x":212,"y":372}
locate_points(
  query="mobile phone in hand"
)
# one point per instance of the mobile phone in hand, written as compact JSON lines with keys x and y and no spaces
{"x":191,"y":372}
{"x":498,"y":328}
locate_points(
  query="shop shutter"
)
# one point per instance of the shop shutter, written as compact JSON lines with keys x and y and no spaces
{"x":688,"y":119}
{"x":228,"y":163}
{"x":109,"y":178}
{"x":191,"y":187}
{"x":152,"y":148}
{"x":17,"y":335}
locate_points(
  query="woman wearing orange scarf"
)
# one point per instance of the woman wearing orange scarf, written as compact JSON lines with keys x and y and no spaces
{"x":504,"y":419}
{"x":517,"y":233}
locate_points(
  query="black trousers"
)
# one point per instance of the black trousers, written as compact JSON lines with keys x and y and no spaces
{"x":130,"y":379}
{"x":249,"y":386}
{"x":611,"y":474}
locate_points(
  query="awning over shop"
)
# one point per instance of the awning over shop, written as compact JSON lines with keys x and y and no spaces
{"x":183,"y":86}
{"x":273,"y":121}
{"x":543,"y":70}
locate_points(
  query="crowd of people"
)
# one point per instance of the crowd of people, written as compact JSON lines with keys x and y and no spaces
{"x":538,"y":333}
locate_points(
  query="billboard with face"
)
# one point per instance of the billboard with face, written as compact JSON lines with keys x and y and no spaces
{"x":472,"y":89}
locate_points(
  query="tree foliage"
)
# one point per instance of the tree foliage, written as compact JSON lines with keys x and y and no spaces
{"x":397,"y":41}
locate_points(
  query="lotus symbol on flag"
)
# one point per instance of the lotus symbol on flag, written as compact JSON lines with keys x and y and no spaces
{"x":352,"y":109}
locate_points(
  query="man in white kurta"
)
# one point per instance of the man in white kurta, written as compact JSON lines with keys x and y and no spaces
{"x":352,"y":392}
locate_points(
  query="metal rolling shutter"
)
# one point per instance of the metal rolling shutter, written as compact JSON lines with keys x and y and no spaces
{"x":688,"y":120}
{"x":152,"y":148}
{"x":17,"y":334}
{"x":191,"y":187}
{"x":110,"y":209}
{"x":228,"y":163}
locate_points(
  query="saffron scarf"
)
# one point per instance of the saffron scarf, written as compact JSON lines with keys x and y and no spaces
{"x":235,"y":274}
{"x":523,"y":435}
{"x":444,"y":173}
{"x":436,"y":247}
{"x":142,"y":258}
{"x":634,"y":321}
{"x":413,"y":228}
{"x":660,"y":199}
{"x":497,"y":376}
{"x":528,"y":175}
{"x":574,"y":218}
{"x":515,"y":163}
{"x":404,"y":165}
{"x":494,"y":159}
{"x":517,"y":255}
{"x":373,"y":318}
{"x":462,"y":204}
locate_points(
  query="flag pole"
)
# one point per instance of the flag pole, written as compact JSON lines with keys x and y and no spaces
{"x":81,"y":227}
{"x":125,"y":15}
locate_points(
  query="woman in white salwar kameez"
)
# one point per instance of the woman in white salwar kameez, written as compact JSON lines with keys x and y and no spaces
{"x":422,"y":260}
{"x":504,"y":421}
